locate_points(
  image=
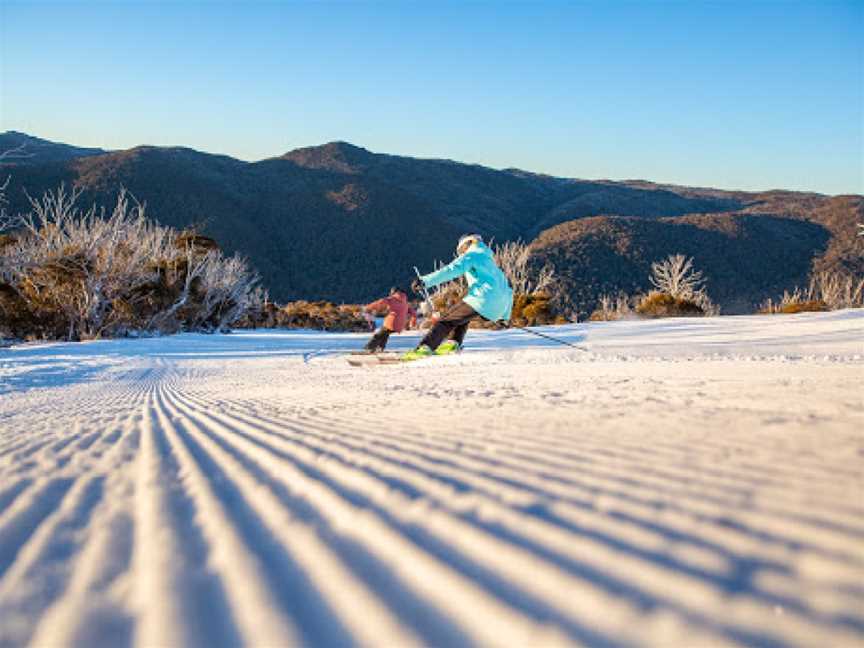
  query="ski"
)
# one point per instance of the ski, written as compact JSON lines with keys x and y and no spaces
{"x":361,"y":359}
{"x":364,"y":359}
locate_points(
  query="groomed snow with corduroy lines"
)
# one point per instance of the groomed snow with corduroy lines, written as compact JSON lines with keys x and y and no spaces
{"x":681,"y":483}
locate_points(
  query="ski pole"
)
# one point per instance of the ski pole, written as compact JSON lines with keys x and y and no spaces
{"x":425,"y":292}
{"x":548,"y":337}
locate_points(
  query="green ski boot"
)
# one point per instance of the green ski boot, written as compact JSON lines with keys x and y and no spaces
{"x":448,"y":347}
{"x":419,"y":353}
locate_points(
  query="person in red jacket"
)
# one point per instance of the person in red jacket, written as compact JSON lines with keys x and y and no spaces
{"x":399,"y":314}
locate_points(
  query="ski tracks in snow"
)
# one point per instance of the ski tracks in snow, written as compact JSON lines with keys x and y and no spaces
{"x":193,"y":503}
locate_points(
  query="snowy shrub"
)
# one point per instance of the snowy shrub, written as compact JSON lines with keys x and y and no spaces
{"x":612,"y":307}
{"x":514,"y":260}
{"x":784,"y":304}
{"x":679,"y":290}
{"x":73,"y":274}
{"x":826,"y":291}
{"x":703,"y":301}
{"x":837,"y":290}
{"x":261,"y":312}
{"x":531,"y":282}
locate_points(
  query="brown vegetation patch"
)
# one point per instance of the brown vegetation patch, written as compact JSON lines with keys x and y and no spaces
{"x":815,"y":306}
{"x":658,"y":304}
{"x":315,"y":315}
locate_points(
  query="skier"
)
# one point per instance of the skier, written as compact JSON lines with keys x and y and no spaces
{"x":489,"y":297}
{"x":399,"y":313}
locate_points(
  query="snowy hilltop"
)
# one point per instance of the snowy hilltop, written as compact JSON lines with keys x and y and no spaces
{"x":677,"y":482}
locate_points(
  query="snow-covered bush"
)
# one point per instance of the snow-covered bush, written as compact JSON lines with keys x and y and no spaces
{"x":838,"y":290}
{"x":514,"y":259}
{"x":73,"y":274}
{"x":679,"y":290}
{"x":612,"y":307}
{"x":826,"y":291}
{"x":793,"y":302}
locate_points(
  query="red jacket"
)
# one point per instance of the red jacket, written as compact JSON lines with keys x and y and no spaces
{"x":399,"y":311}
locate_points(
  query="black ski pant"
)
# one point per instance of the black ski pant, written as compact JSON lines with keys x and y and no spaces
{"x":454,"y":324}
{"x":378,"y":340}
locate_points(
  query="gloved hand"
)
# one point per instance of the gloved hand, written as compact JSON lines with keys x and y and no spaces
{"x":418,"y":286}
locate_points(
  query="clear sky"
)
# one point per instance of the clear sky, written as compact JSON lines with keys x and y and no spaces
{"x":749,"y":95}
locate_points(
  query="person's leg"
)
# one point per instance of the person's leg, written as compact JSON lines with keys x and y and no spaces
{"x":378,"y":341}
{"x":456,"y":319}
{"x":458,"y":334}
{"x":385,"y":337}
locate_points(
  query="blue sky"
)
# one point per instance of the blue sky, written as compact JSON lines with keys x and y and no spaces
{"x":748,"y":95}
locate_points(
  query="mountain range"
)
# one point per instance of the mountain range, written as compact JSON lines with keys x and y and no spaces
{"x":339,"y":222}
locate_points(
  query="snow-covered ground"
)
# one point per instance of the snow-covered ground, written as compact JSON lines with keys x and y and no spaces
{"x":682,"y":483}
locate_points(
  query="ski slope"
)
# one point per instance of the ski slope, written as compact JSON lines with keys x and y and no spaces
{"x":683,"y":483}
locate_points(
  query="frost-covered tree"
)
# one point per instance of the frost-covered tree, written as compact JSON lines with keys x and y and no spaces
{"x":675,"y":276}
{"x":679,"y":289}
{"x":514,"y":259}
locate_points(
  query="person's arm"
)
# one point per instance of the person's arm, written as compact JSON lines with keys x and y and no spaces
{"x":452,"y":270}
{"x":376,"y":305}
{"x":412,"y":318}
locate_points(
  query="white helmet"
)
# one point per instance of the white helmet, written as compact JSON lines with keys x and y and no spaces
{"x":466,"y":240}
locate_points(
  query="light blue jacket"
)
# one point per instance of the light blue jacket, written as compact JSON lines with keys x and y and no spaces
{"x":489,"y":292}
